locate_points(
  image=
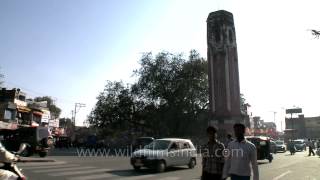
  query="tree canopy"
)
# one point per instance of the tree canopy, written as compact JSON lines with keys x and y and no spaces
{"x":54,"y":110}
{"x":65,"y":122}
{"x":169,"y":98}
{"x":315,"y":33}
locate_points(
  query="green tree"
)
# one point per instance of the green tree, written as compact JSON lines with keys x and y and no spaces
{"x":54,"y":110}
{"x":175,"y":90}
{"x":169,"y":98}
{"x":65,"y":122}
{"x":243,"y":104}
{"x":114,"y":108}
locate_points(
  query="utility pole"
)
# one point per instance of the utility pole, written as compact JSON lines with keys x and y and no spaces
{"x":283,"y":110}
{"x":77,"y":106}
{"x":274,"y":119}
{"x":274,"y":116}
{"x":292,"y":126}
{"x":72,"y":115}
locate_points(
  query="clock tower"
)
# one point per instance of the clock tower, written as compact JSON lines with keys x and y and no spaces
{"x":224,"y":88}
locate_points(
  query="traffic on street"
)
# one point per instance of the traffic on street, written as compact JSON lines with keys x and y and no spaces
{"x":284,"y":166}
{"x":159,"y":90}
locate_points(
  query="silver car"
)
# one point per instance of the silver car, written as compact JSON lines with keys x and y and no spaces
{"x":163,"y":153}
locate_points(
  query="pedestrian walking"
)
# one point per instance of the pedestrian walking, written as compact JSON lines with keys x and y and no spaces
{"x":212,"y":157}
{"x":311,"y":147}
{"x":241,"y":157}
{"x":291,"y":147}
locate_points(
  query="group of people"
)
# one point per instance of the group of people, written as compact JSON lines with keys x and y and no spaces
{"x":235,"y":158}
{"x":310,"y":144}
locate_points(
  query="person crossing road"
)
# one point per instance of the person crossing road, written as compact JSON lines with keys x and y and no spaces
{"x":311,"y":147}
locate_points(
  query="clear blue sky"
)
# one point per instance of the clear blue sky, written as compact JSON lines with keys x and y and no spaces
{"x":68,"y":49}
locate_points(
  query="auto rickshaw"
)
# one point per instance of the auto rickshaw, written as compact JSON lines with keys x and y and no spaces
{"x":37,"y":140}
{"x":263,"y":146}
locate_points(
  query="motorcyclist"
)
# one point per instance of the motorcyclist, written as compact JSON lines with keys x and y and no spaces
{"x":7,"y":157}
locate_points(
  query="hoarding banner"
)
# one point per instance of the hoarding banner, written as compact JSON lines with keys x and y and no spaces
{"x":293,"y":111}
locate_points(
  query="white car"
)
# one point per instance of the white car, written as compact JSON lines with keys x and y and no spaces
{"x":163,"y":153}
{"x":280,"y":146}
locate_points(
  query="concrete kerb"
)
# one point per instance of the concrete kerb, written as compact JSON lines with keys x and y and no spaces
{"x":30,"y":159}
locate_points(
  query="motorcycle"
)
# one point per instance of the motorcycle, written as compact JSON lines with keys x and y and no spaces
{"x":12,"y":166}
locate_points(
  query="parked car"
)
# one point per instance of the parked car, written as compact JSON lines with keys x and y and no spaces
{"x":300,"y":144}
{"x":163,"y":153}
{"x":273,"y":147}
{"x":280,"y":146}
{"x":141,"y":142}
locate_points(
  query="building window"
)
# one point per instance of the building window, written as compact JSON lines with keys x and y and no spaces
{"x":22,"y":98}
{"x":37,"y":118}
{"x":8,"y":114}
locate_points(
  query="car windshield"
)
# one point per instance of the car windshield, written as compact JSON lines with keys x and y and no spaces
{"x":158,"y":145}
{"x":144,"y":141}
{"x":298,"y":142}
{"x":279,"y":142}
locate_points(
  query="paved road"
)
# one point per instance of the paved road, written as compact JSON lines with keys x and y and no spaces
{"x":284,"y":167}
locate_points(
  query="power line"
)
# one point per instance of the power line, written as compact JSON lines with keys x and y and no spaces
{"x":29,"y":91}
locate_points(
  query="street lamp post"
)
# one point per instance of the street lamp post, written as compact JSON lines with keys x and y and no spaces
{"x":292,"y":127}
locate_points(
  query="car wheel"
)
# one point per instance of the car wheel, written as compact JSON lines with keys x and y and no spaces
{"x":137,"y":168}
{"x":192,"y":163}
{"x":161,"y":166}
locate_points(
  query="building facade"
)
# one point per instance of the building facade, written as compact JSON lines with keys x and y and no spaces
{"x":295,"y":127}
{"x":312,"y":127}
{"x":16,"y":111}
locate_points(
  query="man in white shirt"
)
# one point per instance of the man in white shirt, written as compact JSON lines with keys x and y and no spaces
{"x":239,"y":155}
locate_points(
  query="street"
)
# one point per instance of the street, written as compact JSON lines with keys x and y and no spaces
{"x":70,"y":167}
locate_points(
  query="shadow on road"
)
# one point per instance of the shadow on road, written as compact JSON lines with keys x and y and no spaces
{"x":262,"y":163}
{"x":142,"y":172}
